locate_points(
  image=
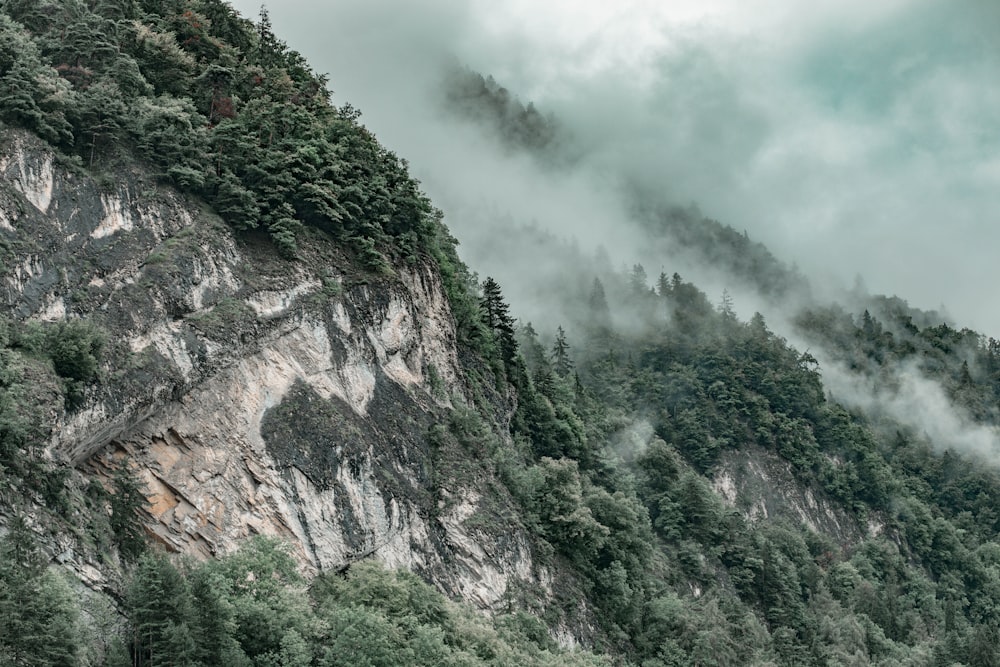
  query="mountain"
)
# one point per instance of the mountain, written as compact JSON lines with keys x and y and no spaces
{"x":255,"y":410}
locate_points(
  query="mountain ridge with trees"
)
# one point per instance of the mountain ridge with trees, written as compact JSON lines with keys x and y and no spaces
{"x":613,"y":441}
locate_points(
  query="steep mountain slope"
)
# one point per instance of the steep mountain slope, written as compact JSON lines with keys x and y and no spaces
{"x":857,"y":471}
{"x":229,"y":313}
{"x":250,"y":395}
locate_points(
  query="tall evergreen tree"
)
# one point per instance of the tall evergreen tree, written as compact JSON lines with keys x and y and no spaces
{"x":496,"y":316}
{"x":600,"y":335}
{"x":562,"y":363}
{"x":159,"y":606}
{"x":39,"y":619}
{"x":534,"y":353}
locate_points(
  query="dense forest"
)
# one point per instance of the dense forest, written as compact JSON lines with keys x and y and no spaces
{"x":619,"y":437}
{"x":254,"y":608}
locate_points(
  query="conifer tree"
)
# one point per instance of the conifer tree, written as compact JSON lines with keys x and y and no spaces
{"x":39,"y":622}
{"x":637,"y":281}
{"x":496,"y":316}
{"x":159,"y":606}
{"x":598,"y":328}
{"x":562,"y":363}
{"x":534,"y":353}
{"x":725,"y":307}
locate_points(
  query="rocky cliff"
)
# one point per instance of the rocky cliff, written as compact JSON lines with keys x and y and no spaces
{"x":250,"y":394}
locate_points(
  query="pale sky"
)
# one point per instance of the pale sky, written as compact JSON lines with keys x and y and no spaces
{"x":850,"y":137}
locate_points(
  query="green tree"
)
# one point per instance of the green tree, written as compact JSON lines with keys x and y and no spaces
{"x":159,"y":606}
{"x":169,"y":131}
{"x":266,"y":595}
{"x":214,"y":624}
{"x":31,"y":93}
{"x":496,"y":317}
{"x":39,"y":617}
{"x":598,"y":326}
{"x":562,"y":363}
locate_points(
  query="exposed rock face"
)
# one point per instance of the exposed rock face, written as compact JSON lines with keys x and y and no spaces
{"x":250,"y":394}
{"x":763,"y":486}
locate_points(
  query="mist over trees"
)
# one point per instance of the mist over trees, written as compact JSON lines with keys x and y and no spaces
{"x":712,"y":388}
{"x":709,"y":386}
{"x":519,"y":126}
{"x":616,"y":422}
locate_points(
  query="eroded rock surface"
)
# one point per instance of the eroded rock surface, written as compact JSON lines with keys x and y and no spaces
{"x":252,"y":394}
{"x":763,"y":486}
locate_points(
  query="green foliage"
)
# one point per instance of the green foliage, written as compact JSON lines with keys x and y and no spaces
{"x":252,"y":608}
{"x":614,"y":442}
{"x":73,"y":346}
{"x":517,"y":125}
{"x":697,"y":582}
{"x":888,"y":335}
{"x":44,"y":368}
{"x":31,"y":92}
{"x":39,"y":617}
{"x":222,"y":108}
{"x":159,"y":607}
{"x":223,"y":320}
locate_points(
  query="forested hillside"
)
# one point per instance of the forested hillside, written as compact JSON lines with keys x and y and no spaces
{"x":220,"y":106}
{"x":624,"y":434}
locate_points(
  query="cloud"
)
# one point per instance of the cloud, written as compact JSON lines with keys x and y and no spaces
{"x":851,"y":137}
{"x":908,"y":397}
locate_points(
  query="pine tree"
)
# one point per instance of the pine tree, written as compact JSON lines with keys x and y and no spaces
{"x":496,"y":316}
{"x":39,"y":619}
{"x":600,"y":337}
{"x":663,"y":285}
{"x":159,"y":607}
{"x":270,"y":51}
{"x":725,"y":307}
{"x":213,"y":624}
{"x":562,"y":363}
{"x":534,"y":353}
{"x":638,"y":281}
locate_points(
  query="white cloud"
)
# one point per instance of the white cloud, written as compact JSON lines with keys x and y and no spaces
{"x":850,"y":136}
{"x":913,"y":399}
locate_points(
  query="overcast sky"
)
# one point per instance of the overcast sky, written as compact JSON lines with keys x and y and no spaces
{"x":852,"y":137}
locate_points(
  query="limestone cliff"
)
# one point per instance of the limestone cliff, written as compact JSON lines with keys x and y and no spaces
{"x":762,"y":486}
{"x":251,"y":394}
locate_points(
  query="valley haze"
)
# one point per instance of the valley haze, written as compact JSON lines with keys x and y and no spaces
{"x":851,"y":138}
